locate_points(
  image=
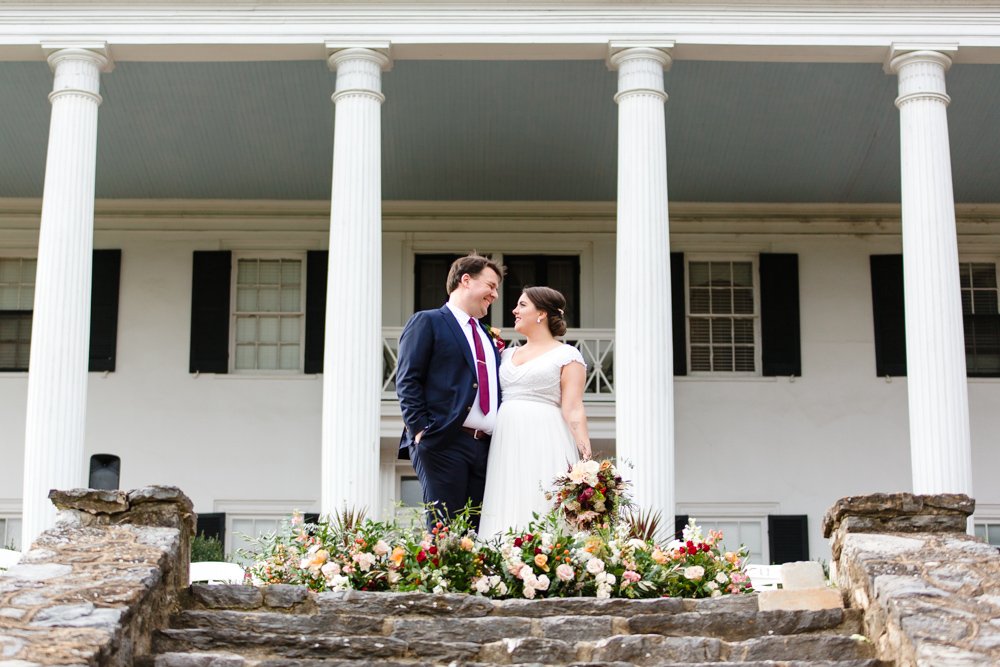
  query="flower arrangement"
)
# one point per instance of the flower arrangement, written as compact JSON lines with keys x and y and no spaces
{"x":590,"y":494}
{"x":580,"y":548}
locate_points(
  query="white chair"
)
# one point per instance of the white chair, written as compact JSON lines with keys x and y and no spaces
{"x":216,"y":572}
{"x":9,"y":558}
{"x":764,"y":577}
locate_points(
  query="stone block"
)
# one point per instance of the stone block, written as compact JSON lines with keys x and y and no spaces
{"x":576,"y":628}
{"x":898,"y":509}
{"x":481,"y":630}
{"x":92,"y":501}
{"x":199,"y":660}
{"x":586,"y":607}
{"x":656,"y":649}
{"x":802,"y":575}
{"x":800,"y":647}
{"x":285,"y":596}
{"x":737,"y":626}
{"x":807,"y":599}
{"x":403,"y":604}
{"x":523,"y":650}
{"x":227,"y":596}
{"x":443,"y":652}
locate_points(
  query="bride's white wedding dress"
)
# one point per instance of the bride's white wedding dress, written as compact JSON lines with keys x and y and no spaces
{"x":531,"y":443}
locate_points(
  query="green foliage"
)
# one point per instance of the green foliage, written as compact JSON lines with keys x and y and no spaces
{"x":205,"y":548}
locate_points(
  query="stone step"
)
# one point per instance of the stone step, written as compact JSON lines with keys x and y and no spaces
{"x":514,"y":646}
{"x":732,"y":626}
{"x":223,"y":659}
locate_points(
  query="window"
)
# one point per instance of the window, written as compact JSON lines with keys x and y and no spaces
{"x":10,"y":533}
{"x":722,"y":316}
{"x":269,"y":314}
{"x":980,"y":318}
{"x":244,"y":529}
{"x":430,"y":274}
{"x":17,"y":296}
{"x":989,"y":531}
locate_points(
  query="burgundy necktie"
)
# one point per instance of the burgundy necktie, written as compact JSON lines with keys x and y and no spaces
{"x":484,"y":378}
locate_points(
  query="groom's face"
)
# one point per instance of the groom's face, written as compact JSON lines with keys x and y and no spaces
{"x":480,"y":292}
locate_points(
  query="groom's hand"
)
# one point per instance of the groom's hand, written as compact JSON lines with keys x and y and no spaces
{"x":417,"y":437}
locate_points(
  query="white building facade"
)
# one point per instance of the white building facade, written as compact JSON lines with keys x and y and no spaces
{"x":778,"y":230}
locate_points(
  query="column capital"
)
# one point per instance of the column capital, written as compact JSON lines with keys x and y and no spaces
{"x":98,"y":53}
{"x":77,"y":71}
{"x":620,"y":52}
{"x":640,"y":72}
{"x":901,"y":54}
{"x":921,"y":74}
{"x":380,"y":52}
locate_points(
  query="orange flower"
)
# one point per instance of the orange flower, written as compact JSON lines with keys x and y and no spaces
{"x":397,"y":556}
{"x":541,"y":560}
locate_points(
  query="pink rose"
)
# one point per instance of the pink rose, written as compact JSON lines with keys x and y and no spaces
{"x":564,"y":572}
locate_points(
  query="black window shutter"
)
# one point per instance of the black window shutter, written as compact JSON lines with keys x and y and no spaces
{"x":680,"y":521}
{"x":779,"y":314}
{"x":889,"y":315}
{"x":677,"y":303}
{"x":788,"y":538}
{"x":212,"y":524}
{"x":106,"y":277}
{"x":210,"y":288}
{"x":316,"y":266}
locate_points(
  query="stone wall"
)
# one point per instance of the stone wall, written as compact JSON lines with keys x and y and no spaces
{"x":930,"y":592}
{"x":92,"y":590}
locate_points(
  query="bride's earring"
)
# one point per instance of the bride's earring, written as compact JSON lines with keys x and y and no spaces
{"x":539,"y":320}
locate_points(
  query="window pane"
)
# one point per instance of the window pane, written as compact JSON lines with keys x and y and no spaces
{"x":722,"y":331}
{"x":291,"y":271}
{"x":246,"y":357}
{"x":722,"y":359}
{"x":289,"y":357}
{"x":699,"y":331}
{"x":722,"y":301}
{"x":10,"y":270}
{"x":246,"y":329}
{"x":27,"y":297}
{"x":966,"y":302}
{"x":743,"y":274}
{"x":410,"y":493}
{"x":984,"y":275}
{"x":699,"y":301}
{"x":8,"y":355}
{"x":965,"y":275}
{"x":700,"y":359}
{"x":290,"y":299}
{"x":269,"y":272}
{"x":698,"y":274}
{"x":8,"y":327}
{"x":247,"y":272}
{"x":743,"y":301}
{"x":744,"y":360}
{"x":290,"y":329}
{"x":268,"y":301}
{"x":430,"y":275}
{"x":721,"y":274}
{"x":267,"y":330}
{"x":743,"y":332}
{"x":10,"y":297}
{"x":267,"y":357}
{"x":984,"y":302}
{"x":246,"y":300}
{"x":981,"y":531}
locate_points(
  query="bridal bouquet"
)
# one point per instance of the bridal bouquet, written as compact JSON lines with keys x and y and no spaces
{"x":591,"y":494}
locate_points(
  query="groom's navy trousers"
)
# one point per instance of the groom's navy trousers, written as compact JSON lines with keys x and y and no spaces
{"x":436,"y":382}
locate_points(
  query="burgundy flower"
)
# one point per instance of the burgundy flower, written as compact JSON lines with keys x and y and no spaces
{"x":518,"y":542}
{"x":421,"y":556}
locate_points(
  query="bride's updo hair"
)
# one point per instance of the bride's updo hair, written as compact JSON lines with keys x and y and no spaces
{"x":552,"y":303}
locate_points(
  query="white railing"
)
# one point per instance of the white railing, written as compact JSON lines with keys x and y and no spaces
{"x":596,"y":345}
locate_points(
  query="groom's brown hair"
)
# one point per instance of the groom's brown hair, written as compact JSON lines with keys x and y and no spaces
{"x":473,"y":264}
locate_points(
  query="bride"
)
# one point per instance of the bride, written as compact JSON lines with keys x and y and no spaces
{"x":541,"y":426}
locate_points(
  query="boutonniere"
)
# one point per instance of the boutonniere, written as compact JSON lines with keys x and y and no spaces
{"x":497,"y":340}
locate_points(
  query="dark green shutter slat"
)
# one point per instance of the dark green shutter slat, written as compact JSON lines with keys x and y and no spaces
{"x":316,"y":267}
{"x":680,"y":521}
{"x":106,"y":278}
{"x":889,"y":315}
{"x":210,"y":287}
{"x":779,"y":315}
{"x":678,"y":318}
{"x":788,"y":538}
{"x":212,"y":524}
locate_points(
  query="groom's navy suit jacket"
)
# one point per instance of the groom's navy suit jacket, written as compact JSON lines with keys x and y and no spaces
{"x":435,"y":378}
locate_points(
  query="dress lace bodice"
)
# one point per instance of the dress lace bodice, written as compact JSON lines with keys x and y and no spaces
{"x":539,"y":379}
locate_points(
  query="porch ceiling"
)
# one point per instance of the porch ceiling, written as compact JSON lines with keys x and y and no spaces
{"x":481,"y":130}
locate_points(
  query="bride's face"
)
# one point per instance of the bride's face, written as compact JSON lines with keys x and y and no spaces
{"x":525,"y":314}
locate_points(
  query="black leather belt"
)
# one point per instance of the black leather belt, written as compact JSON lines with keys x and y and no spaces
{"x":476,"y":433}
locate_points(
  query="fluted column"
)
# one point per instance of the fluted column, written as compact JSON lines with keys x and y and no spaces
{"x":940,"y":447}
{"x":644,"y":401}
{"x":352,"y":363}
{"x":60,"y":328}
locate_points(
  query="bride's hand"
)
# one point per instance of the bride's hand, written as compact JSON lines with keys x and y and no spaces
{"x":584,"y":448}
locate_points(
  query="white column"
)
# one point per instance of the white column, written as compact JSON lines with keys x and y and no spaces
{"x":940,"y":447}
{"x":644,"y":366}
{"x":60,"y":328}
{"x":352,"y":363}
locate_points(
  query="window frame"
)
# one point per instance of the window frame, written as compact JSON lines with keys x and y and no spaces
{"x":963,"y":259}
{"x":22,"y":255}
{"x":234,"y":314}
{"x":754,"y":259}
{"x":715,"y":513}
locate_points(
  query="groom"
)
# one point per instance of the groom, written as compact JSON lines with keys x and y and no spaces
{"x":446,"y":380}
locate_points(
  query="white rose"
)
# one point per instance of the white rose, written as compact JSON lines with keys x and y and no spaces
{"x":502,"y":588}
{"x":542,"y":583}
{"x":722,"y":578}
{"x":330,"y":569}
{"x":595,"y":565}
{"x":339,"y":583}
{"x":636,"y":543}
{"x":529,"y":592}
{"x":564,"y":572}
{"x":716,"y":594}
{"x":381,"y":548}
{"x":482,"y":585}
{"x":694,"y":572}
{"x":712,"y":586}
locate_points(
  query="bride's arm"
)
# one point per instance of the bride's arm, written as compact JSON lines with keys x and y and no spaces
{"x":572,"y":379}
